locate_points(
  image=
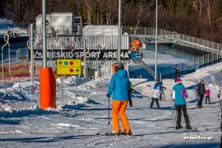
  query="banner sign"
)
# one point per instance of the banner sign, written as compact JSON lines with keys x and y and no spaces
{"x":17,"y":70}
{"x":79,"y":54}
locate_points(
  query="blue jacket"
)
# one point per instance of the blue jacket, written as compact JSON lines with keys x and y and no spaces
{"x":179,"y":98}
{"x":119,"y":85}
{"x":158,"y":84}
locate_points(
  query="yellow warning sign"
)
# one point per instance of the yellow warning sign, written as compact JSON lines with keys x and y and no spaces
{"x":68,"y":66}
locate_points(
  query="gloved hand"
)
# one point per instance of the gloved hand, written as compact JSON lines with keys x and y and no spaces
{"x":108,"y":95}
{"x":130,"y":104}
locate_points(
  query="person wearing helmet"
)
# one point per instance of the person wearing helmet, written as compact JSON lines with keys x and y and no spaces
{"x":118,"y":88}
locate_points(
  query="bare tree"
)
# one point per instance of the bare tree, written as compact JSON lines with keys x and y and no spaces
{"x":199,"y":6}
{"x":141,"y":14}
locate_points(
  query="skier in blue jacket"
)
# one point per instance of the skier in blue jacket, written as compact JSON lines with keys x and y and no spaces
{"x":119,"y":87}
{"x":179,"y":96}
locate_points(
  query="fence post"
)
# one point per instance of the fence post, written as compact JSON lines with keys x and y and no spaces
{"x":169,"y":70}
{"x":208,"y":58}
{"x":204,"y":59}
{"x":84,"y":59}
{"x":31,"y":54}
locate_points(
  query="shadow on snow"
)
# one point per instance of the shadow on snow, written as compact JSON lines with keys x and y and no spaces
{"x":197,"y":145}
{"x":45,"y":139}
{"x":23,"y":113}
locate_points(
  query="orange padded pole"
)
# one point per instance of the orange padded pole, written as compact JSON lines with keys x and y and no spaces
{"x":47,"y":88}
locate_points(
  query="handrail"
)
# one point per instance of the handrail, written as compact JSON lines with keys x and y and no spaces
{"x":6,"y":39}
{"x":150,"y":31}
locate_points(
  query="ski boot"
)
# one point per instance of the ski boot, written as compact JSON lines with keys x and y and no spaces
{"x":178,"y":127}
{"x":115,"y":133}
{"x":188,"y":127}
{"x":127,"y":133}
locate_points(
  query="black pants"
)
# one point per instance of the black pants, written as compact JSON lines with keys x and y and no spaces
{"x":130,"y":100}
{"x":182,"y":108}
{"x":200,"y":99}
{"x":157,"y":102}
{"x":207,"y":98}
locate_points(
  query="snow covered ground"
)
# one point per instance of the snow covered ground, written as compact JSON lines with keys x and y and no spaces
{"x":82,"y":111}
{"x":149,"y":56}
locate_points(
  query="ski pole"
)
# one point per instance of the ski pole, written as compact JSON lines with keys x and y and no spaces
{"x":108,"y":110}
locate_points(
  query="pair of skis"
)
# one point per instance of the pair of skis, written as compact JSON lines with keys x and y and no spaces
{"x":111,"y":134}
{"x":109,"y":123}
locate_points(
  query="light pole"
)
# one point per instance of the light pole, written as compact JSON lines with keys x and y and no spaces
{"x":47,"y":82}
{"x":119,"y":30}
{"x":156,"y":40}
{"x":44,"y":46}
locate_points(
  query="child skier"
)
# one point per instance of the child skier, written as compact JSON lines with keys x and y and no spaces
{"x":207,"y":93}
{"x":219,"y":93}
{"x":179,"y":96}
{"x":119,"y":87}
{"x":156,"y":96}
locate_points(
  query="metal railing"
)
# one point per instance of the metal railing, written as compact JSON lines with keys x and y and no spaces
{"x":189,"y":41}
{"x":190,"y":66}
{"x":56,"y":41}
{"x":60,"y":29}
{"x":76,"y":41}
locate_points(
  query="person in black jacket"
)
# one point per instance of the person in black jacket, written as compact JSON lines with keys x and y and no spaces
{"x":201,"y":92}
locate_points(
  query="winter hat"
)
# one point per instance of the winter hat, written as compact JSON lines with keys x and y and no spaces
{"x":178,"y":80}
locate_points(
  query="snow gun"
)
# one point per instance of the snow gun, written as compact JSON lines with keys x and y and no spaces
{"x":134,"y":49}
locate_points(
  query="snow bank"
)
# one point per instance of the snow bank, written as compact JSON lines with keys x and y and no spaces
{"x":6,"y":25}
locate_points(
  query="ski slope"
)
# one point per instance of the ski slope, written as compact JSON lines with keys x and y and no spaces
{"x":82,"y":112}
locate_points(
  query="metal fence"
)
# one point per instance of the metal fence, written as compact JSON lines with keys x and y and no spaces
{"x":95,"y":68}
{"x":213,"y":50}
{"x":190,"y":66}
{"x":75,"y":41}
{"x":190,"y":41}
{"x":104,"y":69}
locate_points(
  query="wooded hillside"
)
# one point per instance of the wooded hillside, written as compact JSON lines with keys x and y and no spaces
{"x":199,"y":18}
